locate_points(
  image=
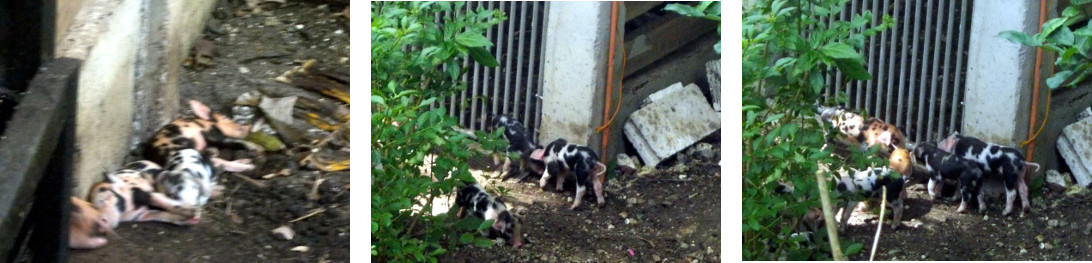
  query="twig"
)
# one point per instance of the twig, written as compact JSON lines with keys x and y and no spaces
{"x":253,"y":182}
{"x":314,"y":195}
{"x":879,"y":226}
{"x":313,"y":213}
{"x":828,"y":216}
{"x":266,"y":56}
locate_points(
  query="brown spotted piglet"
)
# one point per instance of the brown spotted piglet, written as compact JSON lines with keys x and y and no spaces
{"x":208,"y":129}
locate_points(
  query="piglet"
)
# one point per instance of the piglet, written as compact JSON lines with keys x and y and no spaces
{"x":861,"y":132}
{"x":943,"y":165}
{"x":996,"y":161}
{"x":486,"y":207}
{"x":561,"y":158}
{"x":868,"y":184}
{"x":85,"y":225}
{"x":208,"y":129}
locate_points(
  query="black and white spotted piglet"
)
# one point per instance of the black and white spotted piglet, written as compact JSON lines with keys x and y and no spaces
{"x":995,"y":160}
{"x":191,"y":179}
{"x":520,"y":142}
{"x":563,"y":158}
{"x":868,"y":185}
{"x":484,"y":206}
{"x":943,"y":165}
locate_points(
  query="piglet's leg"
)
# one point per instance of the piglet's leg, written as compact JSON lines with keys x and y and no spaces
{"x":85,"y":241}
{"x":597,"y":182}
{"x":846,"y":213}
{"x":237,"y":166}
{"x":580,"y":190}
{"x":168,"y":217}
{"x":162,"y":201}
{"x":561,"y":182}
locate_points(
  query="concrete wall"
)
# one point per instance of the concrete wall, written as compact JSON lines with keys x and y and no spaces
{"x":999,"y":78}
{"x":575,"y":71}
{"x":66,"y":13}
{"x":129,"y":48}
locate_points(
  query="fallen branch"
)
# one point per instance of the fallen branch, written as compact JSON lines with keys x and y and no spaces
{"x":828,"y":216}
{"x":253,"y":182}
{"x":313,"y":213}
{"x":879,"y":226}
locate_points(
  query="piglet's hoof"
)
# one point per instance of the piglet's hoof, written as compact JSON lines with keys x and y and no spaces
{"x":192,"y":221}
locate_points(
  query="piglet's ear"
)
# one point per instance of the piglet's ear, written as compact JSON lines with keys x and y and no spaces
{"x":884,"y":138}
{"x":200,"y":109}
{"x":537,"y":154}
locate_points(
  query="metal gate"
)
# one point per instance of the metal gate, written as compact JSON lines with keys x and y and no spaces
{"x":918,"y":70}
{"x":513,"y":87}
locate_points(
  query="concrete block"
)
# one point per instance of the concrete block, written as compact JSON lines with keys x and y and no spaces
{"x":712,"y":70}
{"x":677,"y":118}
{"x":1075,"y":145}
{"x":1057,"y":181}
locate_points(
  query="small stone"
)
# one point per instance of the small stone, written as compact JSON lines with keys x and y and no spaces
{"x":302,"y":249}
{"x":1053,"y":223}
{"x":985,"y":217}
{"x":244,"y":70}
{"x":632,"y":201}
{"x":656,"y":258}
{"x":682,"y":177}
{"x":299,"y":26}
{"x":922,"y":257}
{"x":609,"y":227}
{"x":284,"y":233}
{"x":1000,"y":244}
{"x":627,"y":221}
{"x":339,"y":32}
{"x":709,"y":250}
{"x":543,"y":258}
{"x":1023,"y":251}
{"x":623,"y":214}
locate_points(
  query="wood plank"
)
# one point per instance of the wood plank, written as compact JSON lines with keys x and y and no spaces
{"x":642,"y":49}
{"x":635,"y":9}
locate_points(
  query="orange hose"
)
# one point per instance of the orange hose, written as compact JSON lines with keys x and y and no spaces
{"x":610,"y":79}
{"x":1035,"y":88}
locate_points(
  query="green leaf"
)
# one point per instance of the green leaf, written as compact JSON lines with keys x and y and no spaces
{"x":1049,"y":27}
{"x":840,"y":51}
{"x":773,"y":118}
{"x":1019,"y":38}
{"x":482,"y":56}
{"x":854,"y":248}
{"x":426,"y":102}
{"x":472,"y":39}
{"x":1084,"y":74}
{"x":683,"y":9}
{"x":483,"y":242}
{"x":1079,"y":2}
{"x":853,"y":69}
{"x":1071,"y":11}
{"x":1056,"y":81}
{"x":1062,"y":36}
{"x":466,"y":238}
{"x":379,"y":100}
{"x":485,"y":224}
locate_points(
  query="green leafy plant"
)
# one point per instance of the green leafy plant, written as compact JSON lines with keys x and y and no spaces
{"x":786,"y":53}
{"x":1070,"y":46}
{"x":415,"y":63}
{"x":706,"y":9}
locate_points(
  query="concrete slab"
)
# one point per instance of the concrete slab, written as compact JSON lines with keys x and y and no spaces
{"x":677,"y":118}
{"x":712,"y":71}
{"x":1075,"y":145}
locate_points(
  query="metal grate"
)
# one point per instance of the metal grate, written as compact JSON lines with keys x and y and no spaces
{"x":917,"y":66}
{"x":513,"y":87}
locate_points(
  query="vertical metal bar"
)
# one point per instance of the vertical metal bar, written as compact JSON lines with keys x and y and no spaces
{"x":853,"y":86}
{"x":933,"y":77}
{"x":910,"y":118}
{"x":498,"y":50}
{"x":508,"y":58}
{"x":947,"y":69}
{"x":466,"y":75}
{"x":922,"y":95}
{"x":838,"y":83}
{"x":541,"y":61}
{"x":895,"y":49}
{"x":883,"y":105}
{"x":959,"y":85}
{"x":871,"y":62}
{"x":519,"y":61}
{"x":531,"y":72}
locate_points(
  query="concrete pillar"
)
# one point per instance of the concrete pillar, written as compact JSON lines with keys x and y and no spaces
{"x":574,"y":73}
{"x":999,"y":72}
{"x":132,"y":51}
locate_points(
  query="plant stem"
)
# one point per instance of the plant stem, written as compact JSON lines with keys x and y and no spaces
{"x":879,"y":226}
{"x":828,"y":216}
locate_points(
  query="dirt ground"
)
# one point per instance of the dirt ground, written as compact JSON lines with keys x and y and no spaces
{"x":1053,"y":230}
{"x":670,"y":215}
{"x":251,"y":49}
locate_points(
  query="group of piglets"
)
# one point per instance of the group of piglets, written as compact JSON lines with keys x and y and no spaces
{"x":559,"y":160}
{"x":145,"y":191}
{"x":967,"y":160}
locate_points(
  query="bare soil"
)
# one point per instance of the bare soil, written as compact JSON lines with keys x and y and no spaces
{"x":670,"y":215}
{"x":251,"y":49}
{"x":1052,"y":230}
